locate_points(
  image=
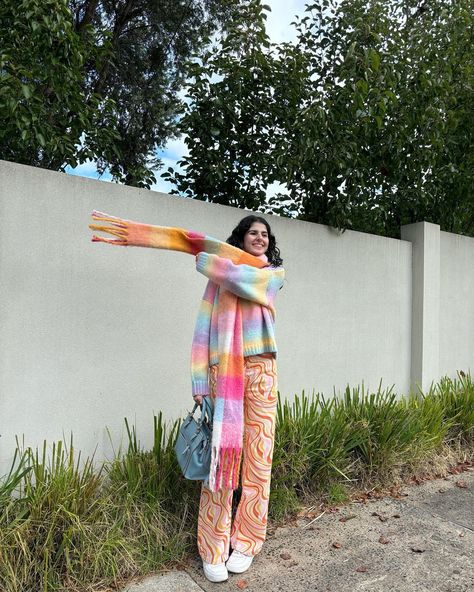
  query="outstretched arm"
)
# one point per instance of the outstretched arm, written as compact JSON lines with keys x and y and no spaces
{"x":136,"y":234}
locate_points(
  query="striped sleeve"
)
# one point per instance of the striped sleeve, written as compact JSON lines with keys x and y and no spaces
{"x":245,"y":281}
{"x":137,"y":234}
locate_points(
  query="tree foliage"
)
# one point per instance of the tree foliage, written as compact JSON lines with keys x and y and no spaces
{"x":242,"y":99}
{"x":228,"y":122}
{"x":44,"y":111}
{"x":97,"y":79}
{"x":151,"y":41}
{"x":367,"y":119}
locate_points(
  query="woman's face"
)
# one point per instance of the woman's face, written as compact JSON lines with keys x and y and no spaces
{"x":256,"y":239}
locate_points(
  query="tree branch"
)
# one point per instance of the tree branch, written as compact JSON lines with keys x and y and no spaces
{"x":90,"y":8}
{"x":121,"y":20}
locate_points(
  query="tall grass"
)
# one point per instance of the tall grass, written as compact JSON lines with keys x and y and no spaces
{"x":67,"y":524}
{"x":71,"y":526}
{"x":365,"y":439}
{"x":10,"y":482}
{"x":151,"y":475}
{"x":393,"y":433}
{"x":457,"y":400}
{"x":312,"y":449}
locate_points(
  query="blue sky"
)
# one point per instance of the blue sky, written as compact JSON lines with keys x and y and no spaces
{"x":279,"y":29}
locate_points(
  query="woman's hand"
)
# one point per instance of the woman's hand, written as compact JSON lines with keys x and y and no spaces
{"x":198,"y":399}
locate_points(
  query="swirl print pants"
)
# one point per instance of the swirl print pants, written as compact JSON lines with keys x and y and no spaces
{"x":247,"y":532}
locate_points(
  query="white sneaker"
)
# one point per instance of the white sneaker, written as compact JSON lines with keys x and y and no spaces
{"x":215,"y":572}
{"x":238,"y":562}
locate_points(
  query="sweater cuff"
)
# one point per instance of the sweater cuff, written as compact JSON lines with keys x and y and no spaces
{"x":201,"y":260}
{"x":200,"y":387}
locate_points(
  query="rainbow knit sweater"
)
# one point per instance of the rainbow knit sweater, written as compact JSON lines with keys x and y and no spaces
{"x":256,"y":289}
{"x":235,"y":319}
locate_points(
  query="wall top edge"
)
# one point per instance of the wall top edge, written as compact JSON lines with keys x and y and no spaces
{"x":464,"y":237}
{"x":421,"y":223}
{"x":31,"y":171}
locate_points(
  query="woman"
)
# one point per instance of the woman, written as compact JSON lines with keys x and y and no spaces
{"x":233,"y":362}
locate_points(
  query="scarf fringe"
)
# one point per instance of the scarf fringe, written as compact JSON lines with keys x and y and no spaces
{"x":225,"y":469}
{"x":118,"y":228}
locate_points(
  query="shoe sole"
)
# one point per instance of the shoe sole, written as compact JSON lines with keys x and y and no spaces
{"x":215,"y":580}
{"x":238,"y":570}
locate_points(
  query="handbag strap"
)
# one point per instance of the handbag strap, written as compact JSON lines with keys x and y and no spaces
{"x":207,"y":409}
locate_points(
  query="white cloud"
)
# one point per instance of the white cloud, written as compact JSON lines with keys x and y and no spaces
{"x":279,"y":19}
{"x":161,"y":185}
{"x":86,"y":169}
{"x":174,"y":149}
{"x":275,"y":188}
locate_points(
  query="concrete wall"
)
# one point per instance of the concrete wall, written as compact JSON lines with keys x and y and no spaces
{"x":425,"y":301}
{"x":91,"y":333}
{"x":456,"y":325}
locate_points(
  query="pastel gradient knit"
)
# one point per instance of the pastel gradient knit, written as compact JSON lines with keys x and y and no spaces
{"x":238,"y":281}
{"x":257,"y":289}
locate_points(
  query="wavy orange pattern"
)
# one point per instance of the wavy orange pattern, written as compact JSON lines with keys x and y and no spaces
{"x":247,"y":532}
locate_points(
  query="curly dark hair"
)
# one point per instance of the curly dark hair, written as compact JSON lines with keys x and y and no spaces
{"x":236,"y":239}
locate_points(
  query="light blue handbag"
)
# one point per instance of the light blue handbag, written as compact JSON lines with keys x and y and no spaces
{"x":193,"y":445}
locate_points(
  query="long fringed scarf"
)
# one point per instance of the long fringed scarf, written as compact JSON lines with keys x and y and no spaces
{"x":227,"y":433}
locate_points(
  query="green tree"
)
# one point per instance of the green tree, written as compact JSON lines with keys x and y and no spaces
{"x":227,"y":126}
{"x":367,"y":119}
{"x":44,"y":112}
{"x":150,"y":41}
{"x":241,"y":98}
{"x":392,"y":91}
{"x":97,"y":79}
